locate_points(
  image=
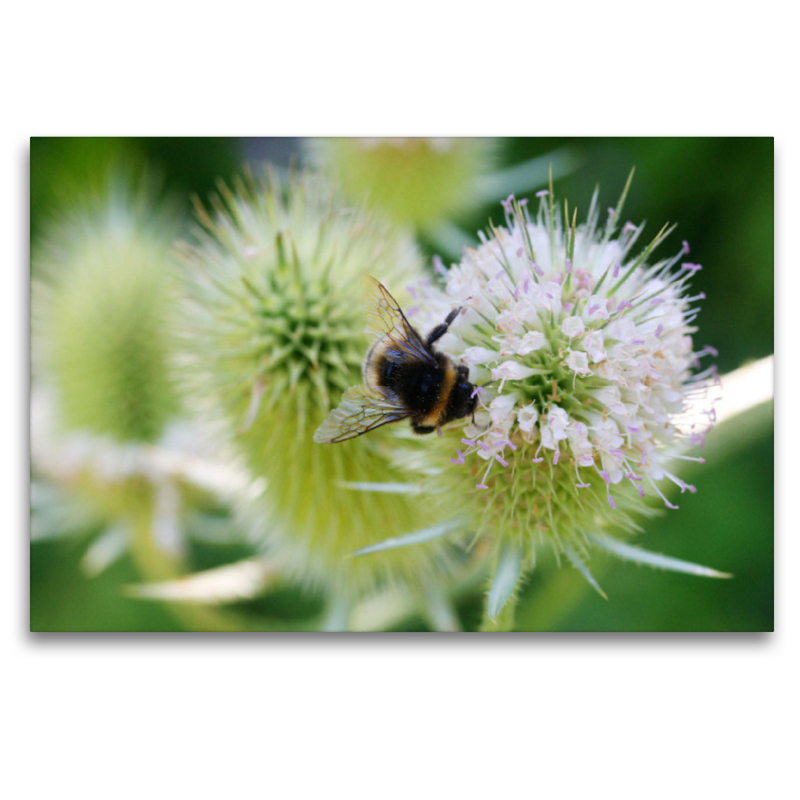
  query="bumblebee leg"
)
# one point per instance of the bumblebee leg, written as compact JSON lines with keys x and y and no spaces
{"x":422,"y":428}
{"x":441,"y":330}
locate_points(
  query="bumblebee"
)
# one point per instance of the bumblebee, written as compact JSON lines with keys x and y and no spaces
{"x":404,"y":377}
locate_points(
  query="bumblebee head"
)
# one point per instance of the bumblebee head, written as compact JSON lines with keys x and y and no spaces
{"x":463,"y":398}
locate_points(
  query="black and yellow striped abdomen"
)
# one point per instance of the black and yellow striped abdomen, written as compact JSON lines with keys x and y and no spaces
{"x":432,"y":392}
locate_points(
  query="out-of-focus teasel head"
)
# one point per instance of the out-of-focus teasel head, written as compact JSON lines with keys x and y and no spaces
{"x":103,"y":289}
{"x":421,"y":182}
{"x":273,"y":333}
{"x":103,"y":382}
{"x":581,"y":345}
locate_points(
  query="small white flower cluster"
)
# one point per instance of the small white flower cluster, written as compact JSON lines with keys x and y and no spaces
{"x":587,"y":350}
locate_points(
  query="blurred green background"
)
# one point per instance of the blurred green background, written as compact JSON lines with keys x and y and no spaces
{"x":720,"y":193}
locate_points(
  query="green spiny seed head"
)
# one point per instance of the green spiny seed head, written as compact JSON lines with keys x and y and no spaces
{"x":100,"y":317}
{"x":415,"y":181}
{"x":274,"y":334}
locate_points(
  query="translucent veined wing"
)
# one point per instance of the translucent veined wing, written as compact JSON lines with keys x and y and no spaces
{"x":361,"y":410}
{"x":387,"y":321}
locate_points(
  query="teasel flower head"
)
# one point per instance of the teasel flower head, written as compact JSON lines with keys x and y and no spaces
{"x":273,"y":331}
{"x":103,"y":391}
{"x":581,"y":346}
{"x":101,"y":298}
{"x":420,"y":182}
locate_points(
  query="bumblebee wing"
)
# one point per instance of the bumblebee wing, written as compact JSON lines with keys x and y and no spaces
{"x":360,"y":411}
{"x":387,"y":321}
